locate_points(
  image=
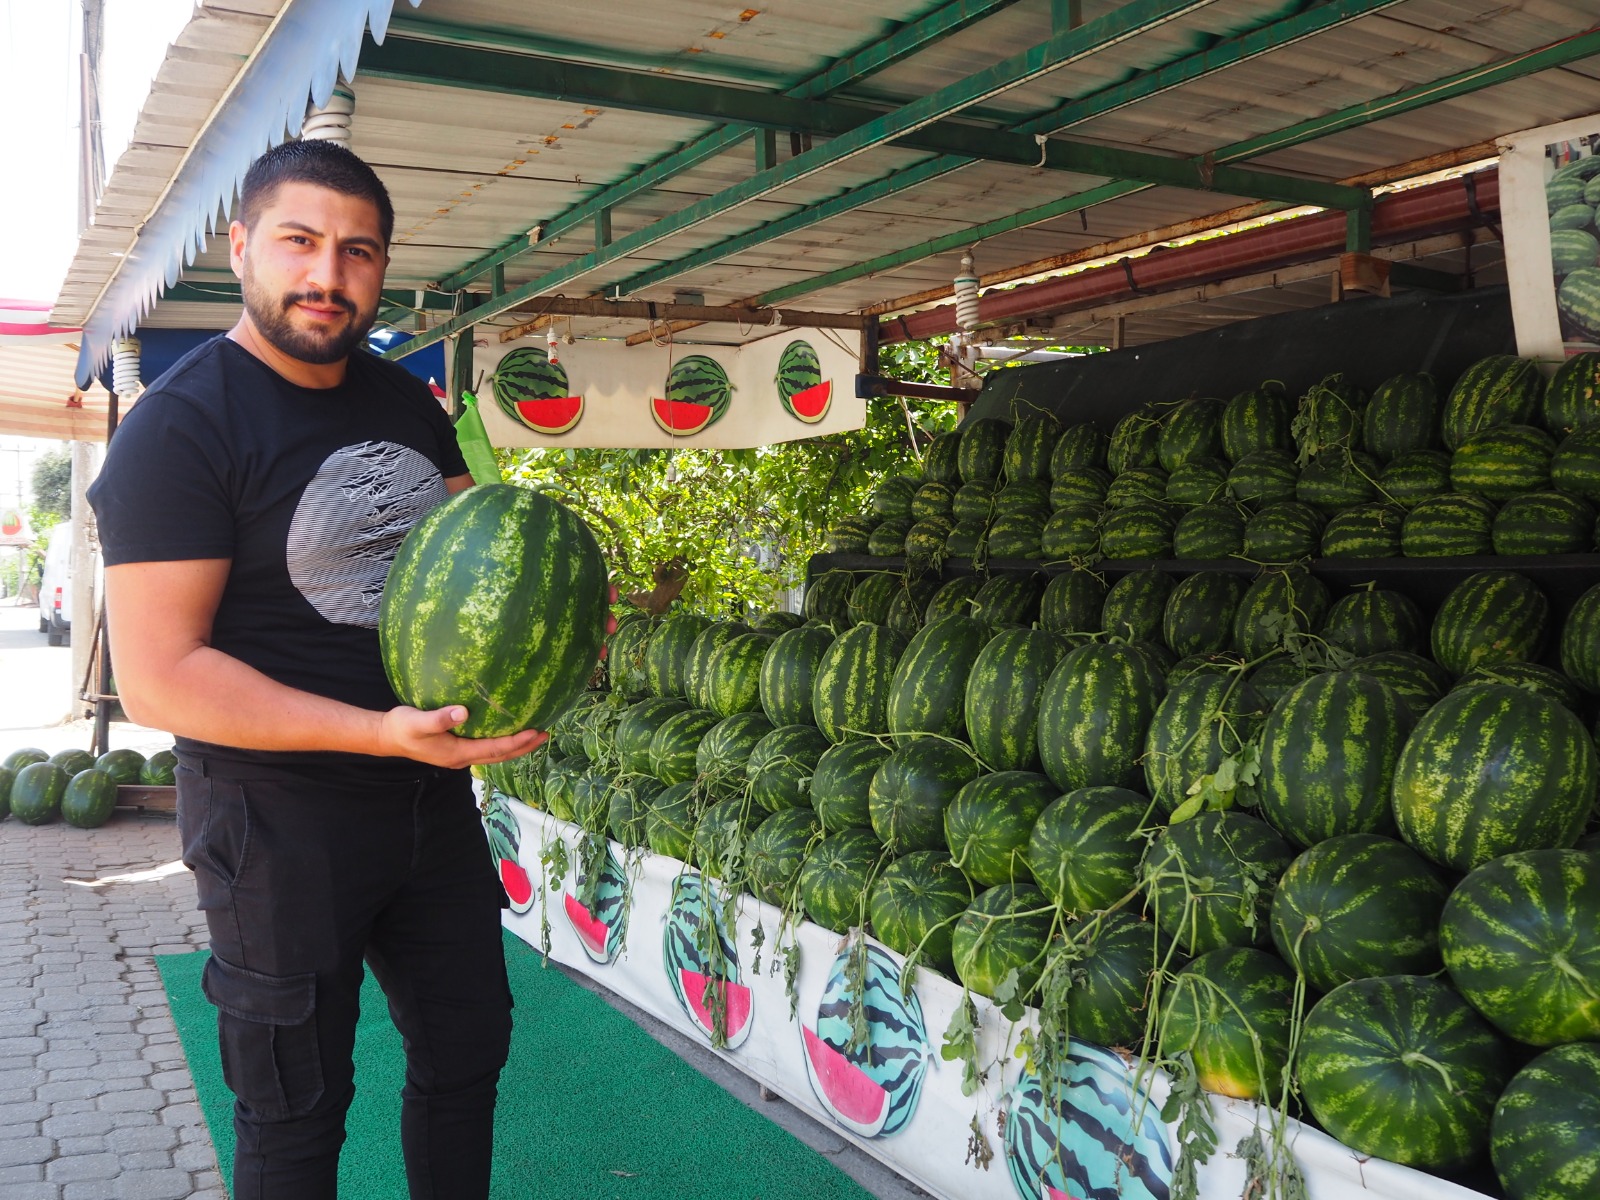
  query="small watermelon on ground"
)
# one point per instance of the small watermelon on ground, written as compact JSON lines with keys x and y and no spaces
{"x":1490,"y":617}
{"x":89,"y":799}
{"x":1575,"y":466}
{"x":782,"y":764}
{"x":1009,"y":599}
{"x":1449,"y":526}
{"x":983,"y":447}
{"x":1080,"y":445}
{"x":1135,"y":441}
{"x":1374,"y":620}
{"x":1533,"y":677}
{"x":1276,"y":604}
{"x":1543,"y":523}
{"x":1499,"y":390}
{"x":1401,"y":1068}
{"x":1572,"y":398}
{"x":123,"y":765}
{"x":1136,"y":604}
{"x":1580,"y":641}
{"x":72,"y":760}
{"x":912,"y":788}
{"x":1208,"y":532}
{"x":1414,"y":476}
{"x":1263,"y":477}
{"x":1518,"y":936}
{"x":850,"y":691}
{"x":987,"y":823}
{"x":1491,"y":770}
{"x":1544,"y":1136}
{"x":1192,"y":430}
{"x":1257,"y":420}
{"x":1093,"y":715}
{"x":1030,"y":446}
{"x":1080,"y":485}
{"x":1003,"y":691}
{"x":1365,"y":531}
{"x":927,"y":693}
{"x":1402,"y":416}
{"x":1358,"y":906}
{"x":1002,"y":931}
{"x":941,"y":463}
{"x":954,"y":598}
{"x":915,"y":904}
{"x":1230,"y":1010}
{"x":1142,"y":530}
{"x":1084,"y":849}
{"x":36,"y":793}
{"x":1072,"y":602}
{"x":835,"y":876}
{"x":1208,"y":881}
{"x":1503,"y":462}
{"x":25,"y":756}
{"x":841,"y":783}
{"x":1282,"y":532}
{"x":776,"y":851}
{"x":1072,"y":532}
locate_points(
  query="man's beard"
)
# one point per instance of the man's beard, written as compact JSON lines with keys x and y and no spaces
{"x":270,"y":315}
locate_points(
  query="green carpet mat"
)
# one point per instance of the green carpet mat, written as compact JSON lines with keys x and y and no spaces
{"x":590,"y":1105}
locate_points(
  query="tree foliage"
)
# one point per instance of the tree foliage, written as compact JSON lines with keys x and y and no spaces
{"x":52,"y":489}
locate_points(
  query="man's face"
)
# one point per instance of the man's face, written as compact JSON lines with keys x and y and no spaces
{"x":312,"y":271}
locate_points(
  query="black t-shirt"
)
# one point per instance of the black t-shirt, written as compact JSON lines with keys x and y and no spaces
{"x":308,"y":491}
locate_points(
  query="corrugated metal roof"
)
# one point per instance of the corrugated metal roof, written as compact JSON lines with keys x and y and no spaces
{"x":473,"y":170}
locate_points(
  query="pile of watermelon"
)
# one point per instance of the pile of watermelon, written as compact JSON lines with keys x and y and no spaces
{"x":1499,"y":463}
{"x":1572,"y":196}
{"x":1186,"y":791}
{"x":74,"y":785}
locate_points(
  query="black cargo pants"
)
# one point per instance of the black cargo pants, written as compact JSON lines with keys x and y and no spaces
{"x":300,"y":882}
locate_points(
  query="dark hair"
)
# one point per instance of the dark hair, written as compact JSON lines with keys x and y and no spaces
{"x":323,"y":163}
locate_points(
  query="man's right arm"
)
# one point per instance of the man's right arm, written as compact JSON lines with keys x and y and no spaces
{"x":170,"y":677}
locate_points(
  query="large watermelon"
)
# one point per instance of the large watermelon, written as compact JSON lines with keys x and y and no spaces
{"x":1490,"y":617}
{"x":668,"y":650}
{"x":1544,"y":1137}
{"x":1003,"y":691}
{"x":911,"y":790}
{"x":775,"y":852}
{"x":1209,"y":880}
{"x":1029,"y":448}
{"x":1543,"y":523}
{"x":496,"y":602}
{"x":1230,"y":1011}
{"x":1071,"y":604}
{"x":1448,"y":526}
{"x":1572,"y":398}
{"x":1206,"y":719}
{"x":625,"y":657}
{"x":1139,"y":530}
{"x":1415,"y":476}
{"x":1282,"y":532}
{"x":987,"y":823}
{"x":675,"y":745}
{"x":1402,"y":416}
{"x":1137,"y":485}
{"x":1256,"y":420}
{"x":1276,"y":605}
{"x":842,"y":780}
{"x":1117,"y":954}
{"x":1499,"y":390}
{"x":836,"y":875}
{"x":1198,"y":617}
{"x":1078,"y":446}
{"x":1263,"y":477}
{"x":1374,"y":620}
{"x":1519,"y":939}
{"x":637,"y":729}
{"x":1338,"y":479}
{"x":1085,"y":847}
{"x":1004,"y":930}
{"x":1580,"y":641}
{"x":850,"y":534}
{"x":788,"y":672}
{"x":733,"y":674}
{"x":1072,"y":532}
{"x":1136,"y":604}
{"x":1007,"y":600}
{"x":927,"y":693}
{"x":1401,"y":1068}
{"x":782,"y":765}
{"x":1365,"y":531}
{"x":915,"y":903}
{"x":1191,"y":431}
{"x":1135,"y":441}
{"x":89,"y":799}
{"x":1198,"y":481}
{"x":1330,"y":417}
{"x":828,"y":598}
{"x":1490,"y":770}
{"x":697,"y":681}
{"x":870,"y":598}
{"x":941,"y":462}
{"x":850,"y":691}
{"x":1503,"y":462}
{"x":722,"y":759}
{"x":1575,"y":466}
{"x":1358,"y":906}
{"x":1093,"y":715}
{"x":954,"y":598}
{"x":1209,"y":531}
{"x":1534,"y":677}
{"x":983,"y":447}
{"x":1080,"y":485}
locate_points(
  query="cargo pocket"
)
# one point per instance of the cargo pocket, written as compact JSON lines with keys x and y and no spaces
{"x":267,"y":1028}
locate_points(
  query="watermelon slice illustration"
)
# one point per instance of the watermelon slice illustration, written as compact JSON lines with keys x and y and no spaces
{"x":600,"y":925}
{"x":534,"y":392}
{"x":734,"y":997}
{"x":504,"y":848}
{"x":812,"y":404}
{"x":803,"y":392}
{"x":519,"y":888}
{"x":702,"y":964}
{"x":846,"y":1091}
{"x":698,"y":393}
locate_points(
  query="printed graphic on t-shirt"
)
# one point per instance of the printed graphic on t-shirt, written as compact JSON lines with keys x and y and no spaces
{"x":350,"y":521}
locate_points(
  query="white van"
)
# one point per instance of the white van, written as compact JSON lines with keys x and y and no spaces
{"x":55,"y":588}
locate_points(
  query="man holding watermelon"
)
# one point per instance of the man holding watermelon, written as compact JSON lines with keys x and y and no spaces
{"x":249,"y":509}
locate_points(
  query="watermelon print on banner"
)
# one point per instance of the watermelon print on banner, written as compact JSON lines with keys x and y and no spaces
{"x":803,"y":392}
{"x":870,"y":1088}
{"x":597,"y":908}
{"x":697,"y":396}
{"x":534,"y":392}
{"x":702,"y":964}
{"x":1088,"y":1131}
{"x":505,"y":850}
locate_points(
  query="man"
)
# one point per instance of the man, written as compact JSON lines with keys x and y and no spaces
{"x":249,"y":509}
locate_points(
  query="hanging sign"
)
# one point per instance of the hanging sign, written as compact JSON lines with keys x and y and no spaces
{"x":791,"y":385}
{"x":1549,"y":198}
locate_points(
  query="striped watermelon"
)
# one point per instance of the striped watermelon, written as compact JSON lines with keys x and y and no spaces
{"x":497,"y":602}
{"x":1003,"y":690}
{"x":1277,"y":603}
{"x":1198,"y":481}
{"x":1263,"y":477}
{"x":1580,"y":641}
{"x":835,"y":876}
{"x":1401,"y":1068}
{"x":893,"y":495}
{"x":1490,"y":617}
{"x":850,"y":690}
{"x":638,"y":727}
{"x":1491,"y":770}
{"x":1002,"y":931}
{"x":973,"y":501}
{"x":625,"y":657}
{"x":1208,"y":532}
{"x":1257,"y":420}
{"x":1572,"y":398}
{"x":1028,"y":495}
{"x":941,"y":462}
{"x":911,"y":790}
{"x":925,"y":542}
{"x":1365,"y":531}
{"x":1449,"y":526}
{"x":1282,"y":532}
{"x":870,"y":598}
{"x":697,"y":666}
{"x":1093,"y":715}
{"x":954,"y":598}
{"x":1543,"y":523}
{"x":1118,"y":955}
{"x":1142,"y":530}
{"x":1085,"y":847}
{"x":910,"y":602}
{"x":698,"y":393}
{"x":1137,"y":485}
{"x":1078,"y":446}
{"x":1533,"y":677}
{"x":1502,"y":462}
{"x":1071,"y":603}
{"x":983,"y":448}
{"x":534,"y":392}
{"x":721,"y":836}
{"x":1073,"y":532}
{"x":1402,"y":416}
{"x":1374,"y":620}
{"x":828,"y":598}
{"x":566,"y":733}
{"x":788,"y":672}
{"x":781,"y":767}
{"x":591,"y":800}
{"x":802,"y":391}
{"x":841,"y":783}
{"x":1206,"y":718}
{"x":733,"y":674}
{"x":1029,"y":448}
{"x":1080,"y":485}
{"x":1135,"y":606}
{"x":1011,"y":599}
{"x":1135,"y":441}
{"x":1572,"y":250}
{"x":722,"y":759}
{"x":888,"y":538}
{"x":1358,"y":906}
{"x":1544,"y":1136}
{"x":1330,"y":417}
{"x":775,"y":852}
{"x":915,"y":904}
{"x":987,"y":823}
{"x":1017,"y":534}
{"x":1208,"y":881}
{"x":850,"y":534}
{"x":1338,"y":479}
{"x":928,"y":690}
{"x":1518,"y":936}
{"x":561,"y":777}
{"x":966,"y":540}
{"x":1575,"y":466}
{"x":1420,"y":682}
{"x":1229,"y":1010}
{"x":675,"y":747}
{"x":932,"y":499}
{"x":1499,"y":390}
{"x":1192,"y":430}
{"x":1415,"y":476}
{"x":1578,"y":298}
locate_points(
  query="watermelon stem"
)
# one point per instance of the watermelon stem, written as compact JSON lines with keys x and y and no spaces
{"x":1415,"y":1058}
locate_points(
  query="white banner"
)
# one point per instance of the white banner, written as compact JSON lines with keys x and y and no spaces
{"x":642,"y":935}
{"x":1549,"y":201}
{"x":796,"y":384}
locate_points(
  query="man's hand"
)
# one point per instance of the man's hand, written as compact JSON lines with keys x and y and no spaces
{"x":426,"y":736}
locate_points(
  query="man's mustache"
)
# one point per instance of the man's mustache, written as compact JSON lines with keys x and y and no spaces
{"x":318,"y":298}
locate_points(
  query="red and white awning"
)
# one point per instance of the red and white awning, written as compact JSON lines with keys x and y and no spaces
{"x":27,"y":322}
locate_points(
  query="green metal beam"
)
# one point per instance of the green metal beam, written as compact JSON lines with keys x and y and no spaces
{"x":901,"y":43}
{"x":1059,"y":50}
